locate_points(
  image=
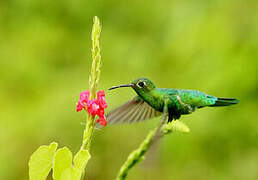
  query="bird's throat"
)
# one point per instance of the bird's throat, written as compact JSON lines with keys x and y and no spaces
{"x":152,"y":98}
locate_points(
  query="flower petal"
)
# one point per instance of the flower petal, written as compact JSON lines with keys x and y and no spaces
{"x":85,"y":96}
{"x":102,"y":121}
{"x":80,"y":105}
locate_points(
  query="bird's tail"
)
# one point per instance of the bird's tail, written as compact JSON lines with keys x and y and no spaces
{"x":225,"y":102}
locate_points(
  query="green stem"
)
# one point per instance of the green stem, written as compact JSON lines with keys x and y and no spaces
{"x":93,"y":84}
{"x":138,"y":154}
{"x":93,"y":81}
{"x":88,"y":133}
{"x":163,"y":129}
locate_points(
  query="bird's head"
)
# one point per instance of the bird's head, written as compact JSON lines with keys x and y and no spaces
{"x":141,"y":85}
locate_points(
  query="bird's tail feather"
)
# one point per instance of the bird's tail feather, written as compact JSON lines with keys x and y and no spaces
{"x":225,"y":102}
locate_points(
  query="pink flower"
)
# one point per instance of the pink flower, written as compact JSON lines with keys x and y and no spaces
{"x":101,"y":99}
{"x":101,"y":112}
{"x":94,"y":106}
{"x":85,"y":96}
{"x":80,"y":106}
{"x":102,"y":121}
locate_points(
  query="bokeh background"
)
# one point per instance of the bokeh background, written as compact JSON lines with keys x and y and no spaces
{"x":211,"y":46}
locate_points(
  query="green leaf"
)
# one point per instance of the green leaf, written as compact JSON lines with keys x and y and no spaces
{"x":62,"y":162}
{"x":63,"y":168}
{"x":80,"y":162}
{"x":41,"y":162}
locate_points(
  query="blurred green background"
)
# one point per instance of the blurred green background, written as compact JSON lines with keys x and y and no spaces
{"x":211,"y":46}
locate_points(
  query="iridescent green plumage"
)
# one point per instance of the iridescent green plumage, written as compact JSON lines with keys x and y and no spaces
{"x":151,"y":100}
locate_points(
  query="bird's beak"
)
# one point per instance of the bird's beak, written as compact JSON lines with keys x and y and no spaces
{"x":125,"y":85}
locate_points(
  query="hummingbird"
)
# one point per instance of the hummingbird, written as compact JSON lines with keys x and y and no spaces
{"x":151,"y":102}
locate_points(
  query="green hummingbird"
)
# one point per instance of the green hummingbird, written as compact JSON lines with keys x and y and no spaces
{"x":151,"y":102}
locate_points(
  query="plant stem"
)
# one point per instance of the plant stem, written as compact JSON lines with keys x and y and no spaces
{"x":93,"y":81}
{"x":87,"y":134}
{"x":93,"y":84}
{"x":153,"y":136}
{"x":138,"y":154}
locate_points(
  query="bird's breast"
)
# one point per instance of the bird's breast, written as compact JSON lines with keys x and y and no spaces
{"x":155,"y":102}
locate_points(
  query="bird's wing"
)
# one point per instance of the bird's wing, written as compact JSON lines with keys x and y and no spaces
{"x":133,"y":111}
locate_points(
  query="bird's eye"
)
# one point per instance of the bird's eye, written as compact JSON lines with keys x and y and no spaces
{"x":141,"y":84}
